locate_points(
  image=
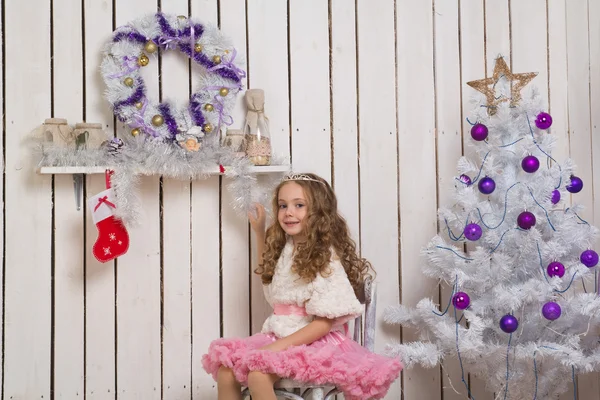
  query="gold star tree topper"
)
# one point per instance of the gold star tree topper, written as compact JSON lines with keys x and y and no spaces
{"x":487,"y":86}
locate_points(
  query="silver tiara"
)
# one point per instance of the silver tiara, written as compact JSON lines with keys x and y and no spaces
{"x":301,"y":177}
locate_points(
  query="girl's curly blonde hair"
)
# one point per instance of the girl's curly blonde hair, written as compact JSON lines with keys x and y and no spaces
{"x":325,"y":229}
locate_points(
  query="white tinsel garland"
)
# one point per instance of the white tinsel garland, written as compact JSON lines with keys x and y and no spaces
{"x":139,"y":156}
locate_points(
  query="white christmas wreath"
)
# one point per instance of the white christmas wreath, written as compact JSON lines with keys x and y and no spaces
{"x":131,"y":49}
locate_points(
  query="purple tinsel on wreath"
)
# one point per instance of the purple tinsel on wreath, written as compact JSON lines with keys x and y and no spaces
{"x":203,"y":60}
{"x":198,"y":31}
{"x":136,"y":36}
{"x":195,"y":112}
{"x":200,"y":58}
{"x":165,"y":111}
{"x":138,"y":95}
{"x":164,"y":25}
{"x":224,"y":72}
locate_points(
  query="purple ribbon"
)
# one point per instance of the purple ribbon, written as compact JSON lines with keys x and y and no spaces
{"x":130,"y":64}
{"x":192,"y":38}
{"x":220,"y":106}
{"x":229,"y":64}
{"x":138,"y":120}
{"x":168,"y":42}
{"x":144,"y":104}
{"x":224,"y":118}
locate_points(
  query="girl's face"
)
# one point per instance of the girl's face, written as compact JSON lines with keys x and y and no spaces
{"x":292,"y":209}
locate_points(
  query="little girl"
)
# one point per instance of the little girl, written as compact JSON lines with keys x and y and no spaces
{"x":310,"y":274}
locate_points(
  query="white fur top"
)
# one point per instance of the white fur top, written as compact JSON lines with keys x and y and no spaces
{"x":330,"y":297}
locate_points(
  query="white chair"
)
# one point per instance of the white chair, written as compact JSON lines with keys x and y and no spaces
{"x":294,"y":390}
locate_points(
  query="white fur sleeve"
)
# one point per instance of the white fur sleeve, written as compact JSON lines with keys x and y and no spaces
{"x":332,"y":296}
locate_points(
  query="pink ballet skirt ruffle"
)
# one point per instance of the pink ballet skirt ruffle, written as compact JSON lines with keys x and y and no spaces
{"x":334,"y":360}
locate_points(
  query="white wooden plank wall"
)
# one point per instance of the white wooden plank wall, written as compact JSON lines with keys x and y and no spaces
{"x":100,"y":279}
{"x":28,"y":267}
{"x":416,"y":170}
{"x":68,"y":291}
{"x":369,"y":94}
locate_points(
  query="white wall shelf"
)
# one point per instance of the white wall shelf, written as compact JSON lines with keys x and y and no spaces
{"x":269,"y":169}
{"x":79,"y":172}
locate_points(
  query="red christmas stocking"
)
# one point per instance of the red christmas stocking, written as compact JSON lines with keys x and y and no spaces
{"x":113,"y":239}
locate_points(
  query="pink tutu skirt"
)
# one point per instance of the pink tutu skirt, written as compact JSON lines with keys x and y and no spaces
{"x":333,"y":360}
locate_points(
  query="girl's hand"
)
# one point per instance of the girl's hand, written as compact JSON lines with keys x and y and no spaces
{"x":258,"y":219}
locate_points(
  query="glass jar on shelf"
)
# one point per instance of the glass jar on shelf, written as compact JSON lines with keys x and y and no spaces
{"x":235,"y":140}
{"x":256,"y":129}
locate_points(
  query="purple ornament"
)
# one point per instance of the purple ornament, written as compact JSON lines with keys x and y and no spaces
{"x":526,"y":220}
{"x":479,"y":132}
{"x":589,"y":258}
{"x":551,"y":310}
{"x":555,"y":269}
{"x":473,"y":231}
{"x":576,"y":184}
{"x":465,"y":179}
{"x":555,"y":196}
{"x":487,"y":185}
{"x":461,"y":300}
{"x":530,"y":164}
{"x":509,"y":323}
{"x":543,"y":120}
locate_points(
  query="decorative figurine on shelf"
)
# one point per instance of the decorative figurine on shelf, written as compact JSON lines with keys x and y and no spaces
{"x":191,"y":140}
{"x":56,"y":131}
{"x":234,"y":140}
{"x":90,"y":135}
{"x":256,"y":128}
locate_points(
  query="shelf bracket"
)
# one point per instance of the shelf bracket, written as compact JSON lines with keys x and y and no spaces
{"x":78,"y":188}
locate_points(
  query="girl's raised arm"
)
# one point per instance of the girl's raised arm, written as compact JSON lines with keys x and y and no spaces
{"x":258,"y":223}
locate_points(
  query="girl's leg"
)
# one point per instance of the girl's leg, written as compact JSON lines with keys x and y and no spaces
{"x":261,"y":385}
{"x":228,"y":387}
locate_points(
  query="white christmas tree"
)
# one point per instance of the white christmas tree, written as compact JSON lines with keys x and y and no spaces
{"x":514,"y":254}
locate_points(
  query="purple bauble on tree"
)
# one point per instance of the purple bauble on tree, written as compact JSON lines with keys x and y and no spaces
{"x":589,"y":258}
{"x":526,"y":220}
{"x":473,"y":231}
{"x":487,"y":185}
{"x":461,"y":300}
{"x":543,"y":120}
{"x":509,"y":323}
{"x":479,"y":132}
{"x":551,"y":310}
{"x":530,"y":164}
{"x":555,"y":196}
{"x":465,"y":179}
{"x":555,"y":269}
{"x":576,"y":184}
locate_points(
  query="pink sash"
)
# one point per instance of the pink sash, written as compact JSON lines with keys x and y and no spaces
{"x":289,"y":309}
